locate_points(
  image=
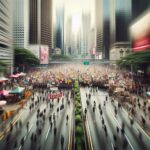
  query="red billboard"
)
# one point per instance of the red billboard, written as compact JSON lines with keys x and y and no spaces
{"x":44,"y":54}
{"x":140,"y":33}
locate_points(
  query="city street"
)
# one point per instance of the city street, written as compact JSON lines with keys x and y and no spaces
{"x":46,"y":140}
{"x":105,"y":116}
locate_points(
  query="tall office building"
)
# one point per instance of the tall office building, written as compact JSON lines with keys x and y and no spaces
{"x":21,"y":23}
{"x":68,"y":37}
{"x":60,"y":28}
{"x":6,"y":50}
{"x":85,"y":33}
{"x":120,"y":18}
{"x":106,"y":29}
{"x":40,"y":25}
{"x":99,"y":25}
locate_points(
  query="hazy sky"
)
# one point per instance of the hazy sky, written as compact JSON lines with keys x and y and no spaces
{"x":74,"y":8}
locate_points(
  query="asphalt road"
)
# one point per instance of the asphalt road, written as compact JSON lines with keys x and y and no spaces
{"x":46,"y":140}
{"x":113,"y":139}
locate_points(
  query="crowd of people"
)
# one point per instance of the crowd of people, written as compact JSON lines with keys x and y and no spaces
{"x":94,"y":76}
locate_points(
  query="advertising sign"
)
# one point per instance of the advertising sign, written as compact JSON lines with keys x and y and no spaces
{"x":140,"y":33}
{"x":55,"y":95}
{"x":44,"y":54}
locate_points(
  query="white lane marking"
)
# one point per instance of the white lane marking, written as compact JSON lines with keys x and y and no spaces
{"x":30,"y":128}
{"x":47,"y":133}
{"x":112,"y":145}
{"x":89,"y":133}
{"x":139,"y":126}
{"x":20,"y":148}
{"x":120,"y":128}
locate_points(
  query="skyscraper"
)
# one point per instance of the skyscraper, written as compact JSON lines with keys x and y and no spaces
{"x":40,"y":26}
{"x":60,"y":28}
{"x":21,"y":23}
{"x":120,"y":19}
{"x":6,"y":50}
{"x":99,"y":25}
{"x":85,"y":33}
{"x":106,"y":29}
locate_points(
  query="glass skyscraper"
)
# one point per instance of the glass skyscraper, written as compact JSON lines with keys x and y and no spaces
{"x":6,"y":50}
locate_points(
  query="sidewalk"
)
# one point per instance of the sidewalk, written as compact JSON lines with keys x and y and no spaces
{"x":5,"y":125}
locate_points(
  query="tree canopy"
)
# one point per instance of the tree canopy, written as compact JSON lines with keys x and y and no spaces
{"x":137,"y":59}
{"x":25,"y":57}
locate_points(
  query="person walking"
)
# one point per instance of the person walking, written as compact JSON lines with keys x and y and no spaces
{"x":62,"y":142}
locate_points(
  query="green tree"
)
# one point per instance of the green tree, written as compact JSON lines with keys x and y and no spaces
{"x":24,"y":57}
{"x":138,"y":60}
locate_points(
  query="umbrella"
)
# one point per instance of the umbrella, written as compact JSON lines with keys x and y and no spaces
{"x":3,"y":79}
{"x":22,"y":74}
{"x":18,"y":90}
{"x":2,"y":103}
{"x":4,"y":92}
{"x":14,"y":76}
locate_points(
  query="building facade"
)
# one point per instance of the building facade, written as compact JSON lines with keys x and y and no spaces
{"x":99,"y":25}
{"x":40,"y":22}
{"x":6,"y":49}
{"x":120,"y":19}
{"x":60,"y":28}
{"x":21,"y":23}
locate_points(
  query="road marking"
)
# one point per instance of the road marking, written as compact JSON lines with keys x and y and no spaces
{"x":47,"y":133}
{"x":89,"y":133}
{"x":120,"y":128}
{"x":70,"y":129}
{"x":112,"y":145}
{"x":139,"y":126}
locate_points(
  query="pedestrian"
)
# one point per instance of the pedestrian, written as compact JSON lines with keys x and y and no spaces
{"x":11,"y":127}
{"x":27,"y":126}
{"x":106,"y":98}
{"x":15,"y":144}
{"x":67,"y":118}
{"x":55,"y":130}
{"x":51,"y":125}
{"x":20,"y":123}
{"x":22,"y":142}
{"x":115,"y":138}
{"x":8,"y":138}
{"x":62,"y":142}
{"x":117,"y":128}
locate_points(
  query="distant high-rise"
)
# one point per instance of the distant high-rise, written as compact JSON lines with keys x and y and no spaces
{"x":6,"y":50}
{"x":106,"y":29}
{"x":40,"y":26}
{"x":99,"y":25}
{"x":60,"y":28}
{"x":85,"y":33}
{"x":21,"y":23}
{"x":68,"y":37}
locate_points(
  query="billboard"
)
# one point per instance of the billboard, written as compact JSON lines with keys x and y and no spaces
{"x":140,"y":33}
{"x":44,"y":54}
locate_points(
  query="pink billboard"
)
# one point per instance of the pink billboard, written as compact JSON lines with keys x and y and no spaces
{"x":44,"y":54}
{"x":140,"y":33}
